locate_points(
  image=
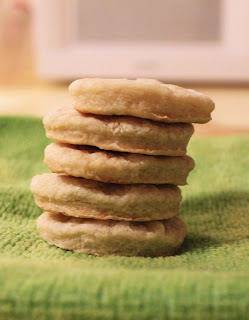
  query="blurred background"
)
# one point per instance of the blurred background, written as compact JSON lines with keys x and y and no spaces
{"x":199,"y":44}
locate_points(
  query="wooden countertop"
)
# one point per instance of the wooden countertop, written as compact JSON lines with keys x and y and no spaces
{"x":231,"y":114}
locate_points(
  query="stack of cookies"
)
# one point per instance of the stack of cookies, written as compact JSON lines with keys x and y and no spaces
{"x":118,"y":158}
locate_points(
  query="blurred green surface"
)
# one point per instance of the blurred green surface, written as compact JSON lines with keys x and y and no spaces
{"x":207,"y":279}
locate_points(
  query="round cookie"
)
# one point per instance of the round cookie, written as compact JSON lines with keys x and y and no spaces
{"x":115,"y":167}
{"x":143,"y":98}
{"x":153,"y":238}
{"x":92,"y":199}
{"x":125,"y":134}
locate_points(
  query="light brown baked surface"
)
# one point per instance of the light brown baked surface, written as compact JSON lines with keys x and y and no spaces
{"x":116,"y":167}
{"x":143,"y":98}
{"x":98,"y":237}
{"x":92,"y":199}
{"x":125,"y":134}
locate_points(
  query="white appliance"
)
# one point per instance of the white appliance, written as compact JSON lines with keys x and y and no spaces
{"x":171,"y":40}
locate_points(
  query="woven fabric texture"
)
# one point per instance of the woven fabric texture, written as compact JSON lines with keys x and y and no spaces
{"x":206,"y":279}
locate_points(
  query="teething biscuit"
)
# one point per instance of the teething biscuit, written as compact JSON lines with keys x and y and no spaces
{"x":142,"y":98}
{"x":98,"y":237}
{"x":92,"y":199}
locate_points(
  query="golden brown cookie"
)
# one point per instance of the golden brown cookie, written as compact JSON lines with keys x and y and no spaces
{"x":92,"y":199}
{"x":98,"y":237}
{"x":116,"y":167}
{"x":142,"y":98}
{"x":125,"y":134}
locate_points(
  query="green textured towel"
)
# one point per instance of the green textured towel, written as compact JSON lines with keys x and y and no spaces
{"x":207,"y":279}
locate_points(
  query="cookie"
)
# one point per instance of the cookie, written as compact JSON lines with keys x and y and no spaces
{"x":142,"y":98}
{"x":98,"y":237}
{"x":125,"y":134}
{"x":116,"y":167}
{"x":93,"y":199}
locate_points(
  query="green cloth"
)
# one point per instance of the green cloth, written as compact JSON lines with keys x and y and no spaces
{"x":206,"y":279}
